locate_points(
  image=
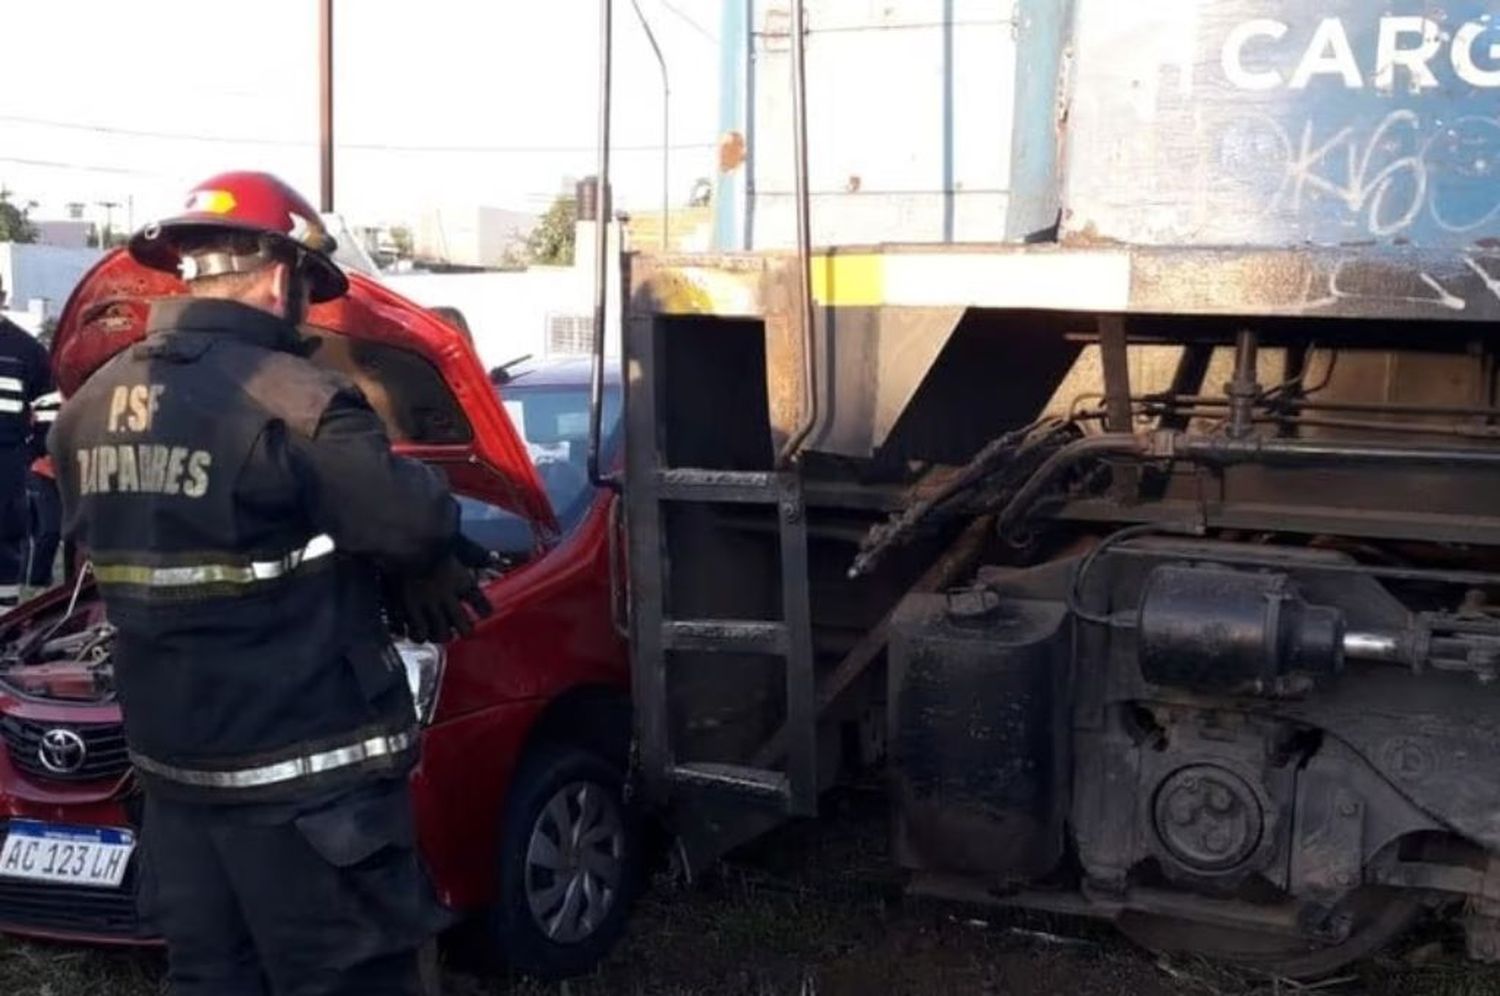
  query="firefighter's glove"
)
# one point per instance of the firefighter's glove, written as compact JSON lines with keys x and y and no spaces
{"x":431,"y":607}
{"x":471,"y":554}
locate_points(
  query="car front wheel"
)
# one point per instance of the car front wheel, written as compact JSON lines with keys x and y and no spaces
{"x":569,"y":863}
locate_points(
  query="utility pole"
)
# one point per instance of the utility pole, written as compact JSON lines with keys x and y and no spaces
{"x":106,"y":238}
{"x":325,"y":104}
{"x":666,"y":118}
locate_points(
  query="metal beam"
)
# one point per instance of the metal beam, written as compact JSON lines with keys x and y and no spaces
{"x":325,"y":105}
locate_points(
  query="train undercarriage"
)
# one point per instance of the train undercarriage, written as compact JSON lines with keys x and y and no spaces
{"x":1187,"y":620}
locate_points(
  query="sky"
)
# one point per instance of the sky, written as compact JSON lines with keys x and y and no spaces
{"x":438,"y":103}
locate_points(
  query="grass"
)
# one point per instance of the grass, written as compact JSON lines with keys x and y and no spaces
{"x":817,"y":911}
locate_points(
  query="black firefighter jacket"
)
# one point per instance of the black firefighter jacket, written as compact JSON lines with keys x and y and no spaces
{"x":237,"y":502}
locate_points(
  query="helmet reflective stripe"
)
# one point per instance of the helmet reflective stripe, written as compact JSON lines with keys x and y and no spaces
{"x":211,"y":201}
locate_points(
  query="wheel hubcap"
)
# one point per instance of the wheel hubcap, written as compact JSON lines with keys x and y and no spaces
{"x":575,"y":861}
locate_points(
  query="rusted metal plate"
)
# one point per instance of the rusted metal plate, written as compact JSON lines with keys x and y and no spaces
{"x":1343,"y":282}
{"x":723,"y":285}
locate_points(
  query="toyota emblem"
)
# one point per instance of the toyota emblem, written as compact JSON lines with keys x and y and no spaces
{"x":61,"y":751}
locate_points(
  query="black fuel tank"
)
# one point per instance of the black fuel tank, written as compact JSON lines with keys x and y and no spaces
{"x":979,"y":733}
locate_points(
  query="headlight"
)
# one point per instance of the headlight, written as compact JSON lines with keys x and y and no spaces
{"x":424,"y":674}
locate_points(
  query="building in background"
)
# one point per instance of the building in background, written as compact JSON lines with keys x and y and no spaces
{"x":540,"y":311}
{"x":38,"y":279}
{"x":67,"y":233}
{"x":480,"y":237}
{"x":689,"y":229}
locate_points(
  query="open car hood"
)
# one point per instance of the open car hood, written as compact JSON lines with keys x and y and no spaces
{"x":419,"y":373}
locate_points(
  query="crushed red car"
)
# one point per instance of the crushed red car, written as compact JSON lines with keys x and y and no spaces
{"x":526,"y":722}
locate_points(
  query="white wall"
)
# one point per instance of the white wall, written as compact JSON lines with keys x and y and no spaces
{"x":508,"y":312}
{"x":64,"y":232}
{"x":468,"y":235}
{"x":49,"y":273}
{"x":31,"y":318}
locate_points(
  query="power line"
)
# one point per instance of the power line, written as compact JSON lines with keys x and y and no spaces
{"x":53,"y":164}
{"x":355,"y":146}
{"x":690,"y":21}
{"x":140,"y":133}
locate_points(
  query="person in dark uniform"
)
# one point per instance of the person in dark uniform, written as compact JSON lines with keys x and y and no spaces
{"x":44,"y":504}
{"x":245,"y":518}
{"x":25,"y":375}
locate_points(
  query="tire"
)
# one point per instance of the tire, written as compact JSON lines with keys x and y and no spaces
{"x":562,"y":907}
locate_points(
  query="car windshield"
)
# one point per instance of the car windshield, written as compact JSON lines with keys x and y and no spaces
{"x":554,"y":422}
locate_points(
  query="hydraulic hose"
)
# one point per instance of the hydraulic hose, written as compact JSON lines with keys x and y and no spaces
{"x":1065,"y":459}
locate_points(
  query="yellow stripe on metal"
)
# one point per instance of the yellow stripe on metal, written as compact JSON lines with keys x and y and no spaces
{"x":849,"y":281}
{"x":1000,"y":277}
{"x":1011,"y":278}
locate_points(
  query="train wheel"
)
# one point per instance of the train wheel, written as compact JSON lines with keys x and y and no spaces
{"x":1379,"y":917}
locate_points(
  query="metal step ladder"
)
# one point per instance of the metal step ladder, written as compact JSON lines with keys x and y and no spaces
{"x":794,"y":788}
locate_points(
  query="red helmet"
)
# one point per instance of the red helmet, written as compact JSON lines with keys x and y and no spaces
{"x":248,"y":202}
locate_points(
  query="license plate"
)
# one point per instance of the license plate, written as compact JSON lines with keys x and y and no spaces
{"x":72,"y":855}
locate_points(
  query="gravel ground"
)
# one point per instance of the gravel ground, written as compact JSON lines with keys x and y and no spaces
{"x":816,"y":911}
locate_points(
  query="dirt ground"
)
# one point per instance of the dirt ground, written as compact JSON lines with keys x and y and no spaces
{"x":816,"y":911}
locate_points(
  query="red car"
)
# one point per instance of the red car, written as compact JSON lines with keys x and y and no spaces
{"x":526,"y":721}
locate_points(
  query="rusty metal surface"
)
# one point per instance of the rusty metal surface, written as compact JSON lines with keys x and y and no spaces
{"x":785,"y":351}
{"x":1443,"y":285}
{"x":707,"y":284}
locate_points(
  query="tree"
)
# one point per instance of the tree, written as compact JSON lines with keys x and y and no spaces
{"x":15,"y":226}
{"x":551,"y":242}
{"x":402,"y":240}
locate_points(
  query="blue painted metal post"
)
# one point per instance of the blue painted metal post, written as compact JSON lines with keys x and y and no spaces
{"x":730,"y":192}
{"x":1043,"y":31}
{"x":949,"y":71}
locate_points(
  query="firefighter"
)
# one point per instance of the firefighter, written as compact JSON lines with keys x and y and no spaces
{"x":44,"y":505}
{"x":244,"y":514}
{"x":25,"y":375}
{"x":44,"y":525}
